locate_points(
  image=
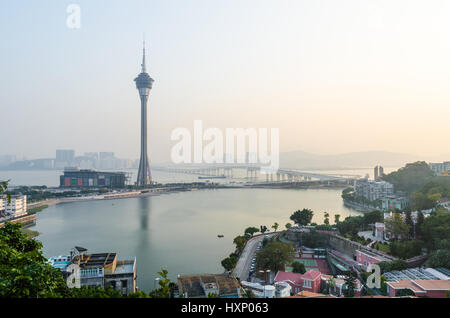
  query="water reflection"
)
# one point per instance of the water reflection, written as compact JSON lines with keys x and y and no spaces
{"x":144,"y":212}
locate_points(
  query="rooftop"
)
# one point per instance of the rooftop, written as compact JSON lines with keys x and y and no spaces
{"x":409,"y":274}
{"x":308,"y":294}
{"x":125,"y":266}
{"x":192,"y":285}
{"x":295,"y":277}
{"x":95,"y":260}
{"x":421,"y":286}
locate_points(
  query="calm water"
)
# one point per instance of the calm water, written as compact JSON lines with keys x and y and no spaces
{"x":176,"y":231}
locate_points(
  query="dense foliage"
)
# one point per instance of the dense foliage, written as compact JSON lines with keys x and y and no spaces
{"x":302,"y":217}
{"x":23,"y":269}
{"x":274,"y":256}
{"x":427,"y":197}
{"x":298,"y":267}
{"x":25,"y":273}
{"x":411,"y":177}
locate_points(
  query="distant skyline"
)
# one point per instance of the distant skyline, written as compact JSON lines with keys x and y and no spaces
{"x":334,"y":76}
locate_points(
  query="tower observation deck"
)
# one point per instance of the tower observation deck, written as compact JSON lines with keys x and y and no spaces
{"x":144,"y":84}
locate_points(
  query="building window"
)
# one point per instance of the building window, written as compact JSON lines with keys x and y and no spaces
{"x":307,"y":283}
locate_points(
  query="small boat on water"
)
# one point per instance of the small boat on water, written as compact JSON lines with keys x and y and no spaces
{"x":220,"y":236}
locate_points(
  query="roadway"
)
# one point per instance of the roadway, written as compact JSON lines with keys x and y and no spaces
{"x":242,"y":268}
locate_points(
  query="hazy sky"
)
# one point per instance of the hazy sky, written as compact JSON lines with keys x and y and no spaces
{"x":334,"y":76}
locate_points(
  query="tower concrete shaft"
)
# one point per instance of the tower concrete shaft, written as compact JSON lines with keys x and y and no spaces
{"x":144,"y":85}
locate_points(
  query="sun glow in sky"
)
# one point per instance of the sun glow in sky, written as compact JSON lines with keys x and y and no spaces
{"x":334,"y":76}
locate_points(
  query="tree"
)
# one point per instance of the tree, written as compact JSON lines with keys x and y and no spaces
{"x":275,"y":226}
{"x":350,"y":284}
{"x":24,"y":271}
{"x":410,"y":223}
{"x":397,"y":226}
{"x":251,"y":230}
{"x":384,"y":266}
{"x":331,"y":285}
{"x":351,"y":225}
{"x":302,"y":217}
{"x":263,"y":229}
{"x":435,"y":229}
{"x":406,"y":249}
{"x":212,"y":295}
{"x":404,"y":292}
{"x":288,"y":226}
{"x":164,"y":286}
{"x":240,"y":242}
{"x":97,"y":292}
{"x":4,"y":190}
{"x":230,"y":262}
{"x":398,"y":265}
{"x":275,"y":255}
{"x":419,"y":222}
{"x":440,"y":259}
{"x":139,"y":294}
{"x":383,"y":285}
{"x":411,"y":177}
{"x":373,"y":217}
{"x":326,"y":218}
{"x":298,"y":267}
{"x":336,"y":218}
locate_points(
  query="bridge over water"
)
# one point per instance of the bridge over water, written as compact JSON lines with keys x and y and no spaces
{"x":255,"y":172}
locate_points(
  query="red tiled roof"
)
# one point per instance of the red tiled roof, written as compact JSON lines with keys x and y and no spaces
{"x":308,"y":294}
{"x":293,"y":277}
{"x":297,"y":278}
{"x":311,"y":275}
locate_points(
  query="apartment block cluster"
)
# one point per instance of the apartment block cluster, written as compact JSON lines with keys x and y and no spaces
{"x":440,"y":169}
{"x":91,"y":160}
{"x":66,"y":158}
{"x":15,"y":208}
{"x":379,"y":190}
{"x":373,"y":190}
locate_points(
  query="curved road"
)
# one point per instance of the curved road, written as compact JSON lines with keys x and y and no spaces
{"x":242,"y":268}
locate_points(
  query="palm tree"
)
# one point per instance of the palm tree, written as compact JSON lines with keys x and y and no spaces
{"x":275,"y":226}
{"x":327,"y":218}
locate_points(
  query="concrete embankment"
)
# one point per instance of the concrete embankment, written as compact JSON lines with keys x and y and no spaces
{"x":360,"y":207}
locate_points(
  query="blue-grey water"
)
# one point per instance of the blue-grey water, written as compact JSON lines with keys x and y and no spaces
{"x":176,"y":231}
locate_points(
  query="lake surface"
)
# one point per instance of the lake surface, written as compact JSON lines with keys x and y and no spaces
{"x":176,"y":231}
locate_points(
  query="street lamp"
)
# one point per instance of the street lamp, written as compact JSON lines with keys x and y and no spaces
{"x":154,"y":283}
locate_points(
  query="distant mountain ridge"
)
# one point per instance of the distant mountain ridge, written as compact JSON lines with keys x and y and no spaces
{"x":351,"y":160}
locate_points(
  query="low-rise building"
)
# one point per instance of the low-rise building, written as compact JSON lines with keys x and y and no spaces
{"x":102,"y":270}
{"x":365,"y":258}
{"x":336,"y":286}
{"x":393,"y":202}
{"x":200,"y":286}
{"x":277,"y":290}
{"x":16,"y":207}
{"x":310,"y":281}
{"x":445,"y":203}
{"x":260,"y":291}
{"x":380,"y":230}
{"x":84,"y":178}
{"x":420,"y":288}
